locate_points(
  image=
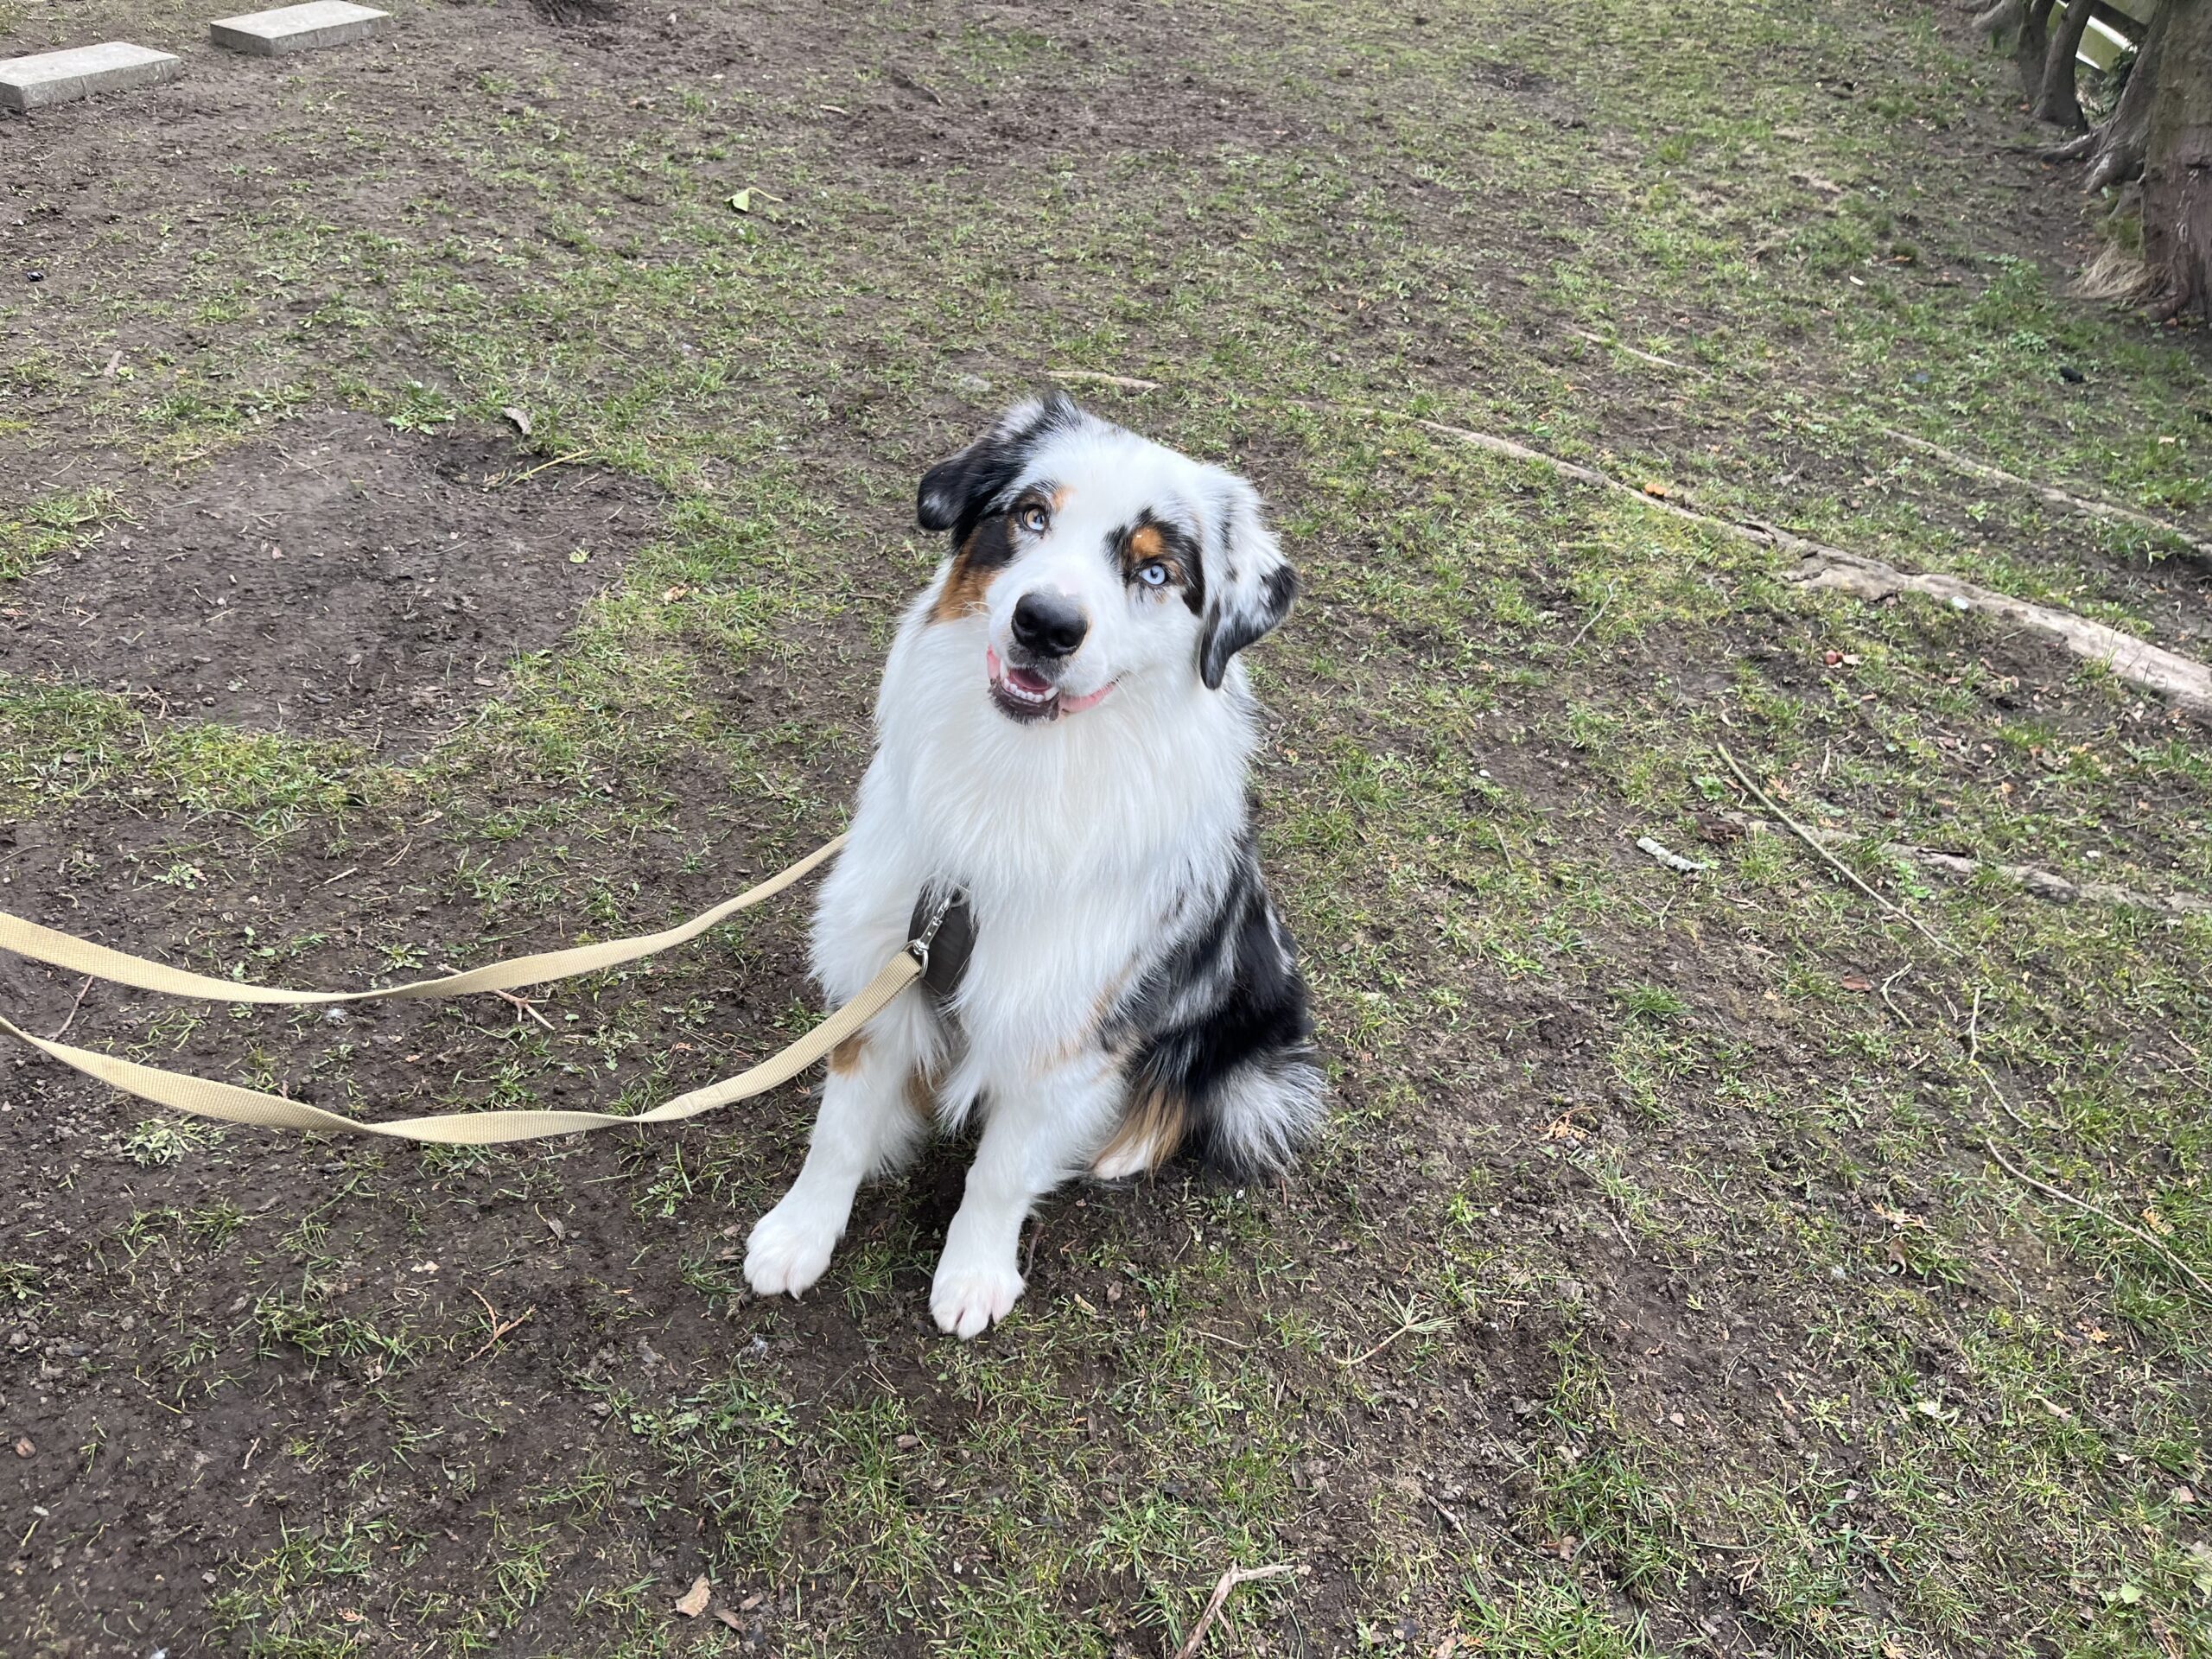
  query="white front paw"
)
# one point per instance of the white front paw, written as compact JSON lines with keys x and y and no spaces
{"x":966,"y":1297}
{"x":790,"y":1246}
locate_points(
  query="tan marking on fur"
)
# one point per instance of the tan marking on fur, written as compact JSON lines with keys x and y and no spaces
{"x":1151,"y":1130}
{"x":966,"y":588}
{"x":1061,"y":496}
{"x":1146,"y":545}
{"x":921,"y":1094}
{"x":1088,"y":1037}
{"x":845,"y":1059}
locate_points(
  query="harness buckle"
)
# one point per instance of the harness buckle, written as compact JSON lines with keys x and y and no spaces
{"x":918,"y":946}
{"x":943,"y":935}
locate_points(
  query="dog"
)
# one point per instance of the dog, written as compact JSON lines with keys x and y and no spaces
{"x":1062,"y":735}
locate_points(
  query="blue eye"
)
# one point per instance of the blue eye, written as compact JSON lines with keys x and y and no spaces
{"x":1152,"y":576}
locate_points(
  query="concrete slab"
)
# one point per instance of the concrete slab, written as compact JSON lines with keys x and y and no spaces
{"x":32,"y":83}
{"x":296,"y":29}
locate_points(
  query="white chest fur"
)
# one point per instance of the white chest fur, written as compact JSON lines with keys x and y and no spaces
{"x":1075,"y":840}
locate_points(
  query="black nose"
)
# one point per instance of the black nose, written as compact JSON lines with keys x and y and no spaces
{"x":1048,"y":624}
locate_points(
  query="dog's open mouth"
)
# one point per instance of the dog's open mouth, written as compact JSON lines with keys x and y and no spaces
{"x":1024,"y":695}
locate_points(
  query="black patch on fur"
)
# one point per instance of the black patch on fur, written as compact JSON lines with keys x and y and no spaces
{"x":1179,"y":542}
{"x":990,"y":544}
{"x":1228,"y":634}
{"x":959,"y":493}
{"x":1226,"y":998}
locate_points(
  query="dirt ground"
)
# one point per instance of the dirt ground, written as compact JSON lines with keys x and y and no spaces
{"x":1697,"y":1262}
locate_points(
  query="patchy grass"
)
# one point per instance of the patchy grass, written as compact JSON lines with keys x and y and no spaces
{"x":1655,"y":1290}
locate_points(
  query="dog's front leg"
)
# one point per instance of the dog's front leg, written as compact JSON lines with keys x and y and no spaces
{"x":875,"y":1110}
{"x":1033,"y":1140}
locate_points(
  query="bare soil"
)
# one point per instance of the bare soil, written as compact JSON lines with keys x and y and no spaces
{"x":334,"y":578}
{"x":250,"y":1363}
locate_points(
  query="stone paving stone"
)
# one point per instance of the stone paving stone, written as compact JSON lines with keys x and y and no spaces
{"x":57,"y":77}
{"x":296,"y":29}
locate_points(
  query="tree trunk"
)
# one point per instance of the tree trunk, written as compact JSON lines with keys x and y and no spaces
{"x":2122,"y":140}
{"x":2056,"y":102}
{"x":2177,"y":162}
{"x":2033,"y":44}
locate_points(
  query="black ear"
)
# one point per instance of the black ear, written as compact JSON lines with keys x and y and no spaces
{"x":1250,"y":585}
{"x":958,"y":492}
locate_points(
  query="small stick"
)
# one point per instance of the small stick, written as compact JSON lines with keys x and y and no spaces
{"x":557,"y":461}
{"x":523,"y":1005}
{"x":1836,"y":864}
{"x":1409,"y":1324}
{"x":1892,"y":1006}
{"x":499,"y":1329}
{"x":1989,"y":1145}
{"x":1092,"y":376}
{"x":1596,"y":617}
{"x":1617,"y":345}
{"x":73,"y":1007}
{"x":1215,"y":1603}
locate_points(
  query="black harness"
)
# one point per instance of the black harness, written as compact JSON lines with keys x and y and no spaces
{"x":942,"y":936}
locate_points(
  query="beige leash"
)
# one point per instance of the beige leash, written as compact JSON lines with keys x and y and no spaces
{"x":230,"y":1104}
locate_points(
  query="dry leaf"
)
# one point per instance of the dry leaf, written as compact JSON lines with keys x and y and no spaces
{"x":1856,"y":982}
{"x":695,"y":1600}
{"x":519,"y":416}
{"x":730,"y":1619}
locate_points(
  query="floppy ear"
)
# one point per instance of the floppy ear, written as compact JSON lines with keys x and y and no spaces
{"x":1250,"y":585}
{"x":958,"y":492}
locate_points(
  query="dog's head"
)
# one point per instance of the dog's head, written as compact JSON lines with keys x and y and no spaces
{"x":1095,"y":559}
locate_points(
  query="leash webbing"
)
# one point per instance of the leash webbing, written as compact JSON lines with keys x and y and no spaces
{"x":230,"y":1103}
{"x":76,"y":956}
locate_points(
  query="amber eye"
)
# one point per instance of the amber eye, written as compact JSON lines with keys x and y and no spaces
{"x":1033,"y":518}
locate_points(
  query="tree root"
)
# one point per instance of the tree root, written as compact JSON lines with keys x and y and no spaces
{"x":2185,"y":683}
{"x":2048,"y":492}
{"x":2181,"y":680}
{"x":2079,"y":148}
{"x":2036,"y":883}
{"x":1647,"y":357}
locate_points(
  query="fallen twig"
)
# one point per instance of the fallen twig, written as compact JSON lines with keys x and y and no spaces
{"x":498,"y":1328}
{"x":522,"y":1005}
{"x":557,"y":461}
{"x":1215,"y":1603}
{"x":1092,"y":376}
{"x":73,"y":1007}
{"x":1648,"y":357}
{"x":1595,"y":617}
{"x":2048,"y":492}
{"x":1989,"y":1145}
{"x":1834,"y":863}
{"x":1410,"y":1323}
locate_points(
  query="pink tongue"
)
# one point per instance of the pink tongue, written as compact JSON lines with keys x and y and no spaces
{"x":1036,"y":684}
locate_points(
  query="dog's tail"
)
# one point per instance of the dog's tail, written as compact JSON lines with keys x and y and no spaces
{"x":1248,"y":1120}
{"x":1256,"y":1118}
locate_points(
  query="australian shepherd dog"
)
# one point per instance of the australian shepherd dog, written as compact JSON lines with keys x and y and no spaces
{"x":1062,"y":739}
